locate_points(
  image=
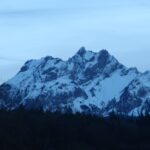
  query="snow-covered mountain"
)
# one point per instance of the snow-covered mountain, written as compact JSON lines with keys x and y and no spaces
{"x":88,"y":82}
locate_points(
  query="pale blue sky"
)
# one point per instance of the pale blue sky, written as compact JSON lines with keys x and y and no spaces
{"x":36,"y":28}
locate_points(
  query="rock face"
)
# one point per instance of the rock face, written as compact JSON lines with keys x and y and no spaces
{"x":89,"y":82}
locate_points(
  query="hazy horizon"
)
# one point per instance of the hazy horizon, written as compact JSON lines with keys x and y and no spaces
{"x":31,"y":29}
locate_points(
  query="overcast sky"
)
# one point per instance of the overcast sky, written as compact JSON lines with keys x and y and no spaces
{"x":36,"y":28}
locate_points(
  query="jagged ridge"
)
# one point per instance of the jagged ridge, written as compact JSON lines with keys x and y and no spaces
{"x":88,"y":82}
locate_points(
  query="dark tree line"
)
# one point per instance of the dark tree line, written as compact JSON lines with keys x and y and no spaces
{"x":35,"y":130}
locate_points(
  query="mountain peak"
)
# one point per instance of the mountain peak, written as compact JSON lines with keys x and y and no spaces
{"x":81,"y":51}
{"x":104,"y":52}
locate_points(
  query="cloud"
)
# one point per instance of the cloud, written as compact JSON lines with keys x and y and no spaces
{"x":10,"y":59}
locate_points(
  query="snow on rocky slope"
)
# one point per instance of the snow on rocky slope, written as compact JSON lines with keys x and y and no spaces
{"x":94,"y":83}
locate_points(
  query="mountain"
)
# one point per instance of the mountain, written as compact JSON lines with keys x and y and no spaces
{"x":88,"y":82}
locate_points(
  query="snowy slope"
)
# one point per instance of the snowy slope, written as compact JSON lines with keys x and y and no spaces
{"x":88,"y":82}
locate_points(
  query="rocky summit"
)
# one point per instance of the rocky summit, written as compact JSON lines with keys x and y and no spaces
{"x":89,"y":83}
